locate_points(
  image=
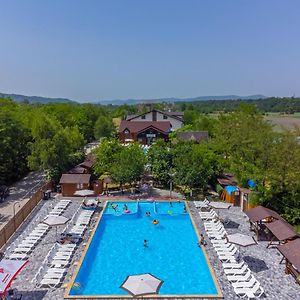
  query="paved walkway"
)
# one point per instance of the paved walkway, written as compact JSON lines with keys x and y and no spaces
{"x":20,"y":192}
{"x":263,"y":262}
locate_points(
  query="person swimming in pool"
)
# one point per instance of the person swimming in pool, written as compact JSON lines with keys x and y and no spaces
{"x":114,"y":206}
{"x":125,"y":207}
{"x":145,"y":243}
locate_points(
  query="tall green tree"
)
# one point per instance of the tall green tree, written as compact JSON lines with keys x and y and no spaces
{"x":160,"y":160}
{"x":104,"y":127}
{"x":129,"y":164}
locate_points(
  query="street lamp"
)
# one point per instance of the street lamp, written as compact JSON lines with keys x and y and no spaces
{"x":171,"y":183}
{"x":14,"y":209}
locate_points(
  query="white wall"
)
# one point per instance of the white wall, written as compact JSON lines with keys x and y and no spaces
{"x":160,"y":117}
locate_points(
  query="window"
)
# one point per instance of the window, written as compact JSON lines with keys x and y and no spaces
{"x":79,"y":186}
{"x":143,"y":117}
{"x":126,"y":131}
{"x":165,"y":117}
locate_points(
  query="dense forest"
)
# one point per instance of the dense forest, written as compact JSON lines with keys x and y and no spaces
{"x":281,"y":105}
{"x":47,"y":137}
{"x":51,"y":138}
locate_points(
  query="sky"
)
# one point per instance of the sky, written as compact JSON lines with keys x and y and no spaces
{"x":145,"y":49}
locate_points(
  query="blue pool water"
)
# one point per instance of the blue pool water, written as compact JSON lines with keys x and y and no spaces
{"x":117,"y":250}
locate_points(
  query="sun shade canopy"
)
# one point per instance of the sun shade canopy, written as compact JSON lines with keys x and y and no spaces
{"x":56,"y":220}
{"x":259,"y":213}
{"x":241,"y":239}
{"x":291,"y":251}
{"x":282,"y":230}
{"x":144,"y":284}
{"x":84,"y":193}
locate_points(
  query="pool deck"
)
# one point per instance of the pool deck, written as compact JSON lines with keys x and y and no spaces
{"x":263,"y":262}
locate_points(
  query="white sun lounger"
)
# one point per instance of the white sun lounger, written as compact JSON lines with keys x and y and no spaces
{"x":224,"y":246}
{"x":67,"y":246}
{"x":53,"y":276}
{"x":255,"y":292}
{"x":56,"y":270}
{"x":59,"y":263}
{"x":62,"y":255}
{"x":50,"y":282}
{"x":226,"y":251}
{"x":237,"y":271}
{"x":227,"y":258}
{"x":22,"y":250}
{"x":235,"y":265}
{"x":18,"y":256}
{"x":245,"y":284}
{"x":29,"y":242}
{"x":245,"y":277}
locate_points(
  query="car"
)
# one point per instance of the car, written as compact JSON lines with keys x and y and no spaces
{"x":4,"y":192}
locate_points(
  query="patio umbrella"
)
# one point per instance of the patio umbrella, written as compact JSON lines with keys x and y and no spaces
{"x":143,"y":284}
{"x":241,"y":239}
{"x":9,"y":269}
{"x":221,"y":205}
{"x":84,"y":193}
{"x":56,"y":221}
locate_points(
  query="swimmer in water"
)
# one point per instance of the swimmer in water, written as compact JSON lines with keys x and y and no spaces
{"x":145,"y":243}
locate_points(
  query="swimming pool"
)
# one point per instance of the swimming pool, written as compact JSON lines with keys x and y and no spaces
{"x":117,"y":250}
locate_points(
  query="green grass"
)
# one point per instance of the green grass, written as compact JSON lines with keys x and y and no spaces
{"x":297,"y":228}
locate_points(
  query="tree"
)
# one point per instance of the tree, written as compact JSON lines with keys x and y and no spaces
{"x":104,"y":127}
{"x":106,"y":156}
{"x":195,"y":165}
{"x":14,"y":140}
{"x":54,"y":149}
{"x":129,"y":164}
{"x":160,"y":160}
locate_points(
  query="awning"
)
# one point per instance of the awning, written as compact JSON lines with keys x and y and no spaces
{"x":291,"y":251}
{"x":9,"y":269}
{"x":259,"y":213}
{"x":84,"y":193}
{"x":281,"y":230}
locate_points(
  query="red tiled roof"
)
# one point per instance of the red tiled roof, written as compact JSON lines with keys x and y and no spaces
{"x":137,"y":126}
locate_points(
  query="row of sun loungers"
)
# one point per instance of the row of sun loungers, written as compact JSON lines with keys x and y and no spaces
{"x":238,"y":273}
{"x":60,"y":256}
{"x":22,"y":247}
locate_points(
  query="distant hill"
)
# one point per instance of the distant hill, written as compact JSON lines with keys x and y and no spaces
{"x":35,"y":99}
{"x":200,"y":98}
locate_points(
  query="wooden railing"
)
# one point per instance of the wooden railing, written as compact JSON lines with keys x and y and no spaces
{"x":12,"y":225}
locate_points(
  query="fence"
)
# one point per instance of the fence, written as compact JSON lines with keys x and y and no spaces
{"x":12,"y":225}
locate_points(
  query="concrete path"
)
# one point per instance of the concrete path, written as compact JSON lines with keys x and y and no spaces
{"x":20,"y":192}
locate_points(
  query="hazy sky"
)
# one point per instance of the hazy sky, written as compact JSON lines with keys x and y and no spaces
{"x":93,"y":50}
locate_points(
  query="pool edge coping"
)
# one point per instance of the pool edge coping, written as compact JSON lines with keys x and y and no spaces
{"x":156,"y":296}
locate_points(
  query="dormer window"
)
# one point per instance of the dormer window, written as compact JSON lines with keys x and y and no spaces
{"x":126,"y":131}
{"x":165,"y":117}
